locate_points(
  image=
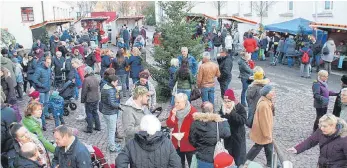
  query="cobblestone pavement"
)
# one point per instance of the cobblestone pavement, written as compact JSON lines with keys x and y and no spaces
{"x":293,"y":121}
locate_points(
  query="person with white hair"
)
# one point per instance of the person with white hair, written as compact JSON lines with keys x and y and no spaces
{"x":181,"y":119}
{"x":332,"y":140}
{"x":321,"y":95}
{"x":343,"y":113}
{"x":192,"y":63}
{"x":207,"y":73}
{"x":149,"y":148}
{"x":58,"y":63}
{"x":328,"y":52}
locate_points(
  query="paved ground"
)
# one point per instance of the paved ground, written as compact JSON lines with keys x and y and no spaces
{"x":293,"y":121}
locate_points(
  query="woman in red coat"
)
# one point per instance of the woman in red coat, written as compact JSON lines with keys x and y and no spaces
{"x":250,"y":44}
{"x":181,"y":118}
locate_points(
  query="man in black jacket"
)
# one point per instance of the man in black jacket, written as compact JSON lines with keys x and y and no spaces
{"x":70,"y":152}
{"x":217,"y":43}
{"x":225,"y":63}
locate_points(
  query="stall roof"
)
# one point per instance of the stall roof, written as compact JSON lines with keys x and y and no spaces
{"x":238,"y":19}
{"x":111,"y":15}
{"x":326,"y":26}
{"x":137,"y":17}
{"x":100,"y":18}
{"x":201,"y":15}
{"x":291,"y":26}
{"x":59,"y":21}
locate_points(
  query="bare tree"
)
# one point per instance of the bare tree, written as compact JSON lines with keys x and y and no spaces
{"x":86,"y":7}
{"x":220,"y":5}
{"x":109,"y":6}
{"x":261,"y":8}
{"x":123,"y":7}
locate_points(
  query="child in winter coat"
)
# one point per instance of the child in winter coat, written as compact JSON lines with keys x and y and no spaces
{"x":19,"y":77}
{"x":56,"y":105}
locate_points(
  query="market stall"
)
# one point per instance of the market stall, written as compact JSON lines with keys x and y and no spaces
{"x":45,"y":29}
{"x":129,"y":21}
{"x":205,"y":20}
{"x":95,"y":24}
{"x":338,"y":33}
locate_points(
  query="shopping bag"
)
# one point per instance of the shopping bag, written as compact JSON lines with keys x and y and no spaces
{"x":196,"y":94}
{"x":219,"y":148}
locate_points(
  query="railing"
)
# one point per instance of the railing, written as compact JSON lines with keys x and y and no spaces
{"x":277,"y":155}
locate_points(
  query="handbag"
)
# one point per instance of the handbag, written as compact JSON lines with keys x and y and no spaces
{"x":196,"y":94}
{"x":219,"y":146}
{"x":174,"y":90}
{"x":194,"y":163}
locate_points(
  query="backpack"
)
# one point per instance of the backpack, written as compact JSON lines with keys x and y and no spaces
{"x":325,"y":50}
{"x":305,"y":59}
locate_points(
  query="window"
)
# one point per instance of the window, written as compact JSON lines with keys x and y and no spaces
{"x":290,"y":5}
{"x":328,"y":5}
{"x":27,"y":14}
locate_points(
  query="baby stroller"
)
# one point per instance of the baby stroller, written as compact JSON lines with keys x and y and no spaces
{"x":98,"y":159}
{"x":67,"y":92}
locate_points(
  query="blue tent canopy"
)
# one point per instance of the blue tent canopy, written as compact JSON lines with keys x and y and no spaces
{"x":292,"y":26}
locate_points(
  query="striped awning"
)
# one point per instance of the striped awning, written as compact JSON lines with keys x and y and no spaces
{"x":325,"y":26}
{"x":238,"y":19}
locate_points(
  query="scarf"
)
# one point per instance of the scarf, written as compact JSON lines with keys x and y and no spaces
{"x":324,"y":83}
{"x":227,"y":110}
{"x":38,"y":120}
{"x":181,"y":114}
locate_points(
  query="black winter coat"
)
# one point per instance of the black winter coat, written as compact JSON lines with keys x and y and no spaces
{"x":145,"y":151}
{"x":90,"y":60}
{"x":31,"y":68}
{"x":109,"y":100}
{"x":236,"y":143}
{"x":225,"y":67}
{"x":69,"y":70}
{"x":21,"y":162}
{"x":8,"y":116}
{"x":58,"y":65}
{"x":63,"y":50}
{"x":203,"y":134}
{"x":77,"y":156}
{"x":217,"y":41}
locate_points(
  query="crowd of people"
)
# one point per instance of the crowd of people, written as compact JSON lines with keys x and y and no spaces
{"x":99,"y":78}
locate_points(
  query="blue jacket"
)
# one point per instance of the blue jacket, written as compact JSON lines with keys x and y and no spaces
{"x":305,"y":49}
{"x":105,"y":63}
{"x":65,"y":36}
{"x":126,"y":35}
{"x":77,"y":156}
{"x":263,"y":43}
{"x":109,"y":100}
{"x":119,"y":67}
{"x":136,"y":67}
{"x":120,"y":45}
{"x":56,"y":105}
{"x":193,"y":65}
{"x":289,"y":46}
{"x":42,"y":79}
{"x":172,"y":71}
{"x":31,"y":68}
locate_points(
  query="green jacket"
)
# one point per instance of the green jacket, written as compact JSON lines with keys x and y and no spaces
{"x":184,"y":83}
{"x":34,"y":127}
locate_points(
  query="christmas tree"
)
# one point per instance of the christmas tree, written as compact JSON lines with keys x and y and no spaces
{"x":177,"y":32}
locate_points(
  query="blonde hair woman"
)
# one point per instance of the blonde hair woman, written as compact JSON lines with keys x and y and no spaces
{"x":332,"y":141}
{"x":321,"y":95}
{"x":135,"y":62}
{"x":236,"y":115}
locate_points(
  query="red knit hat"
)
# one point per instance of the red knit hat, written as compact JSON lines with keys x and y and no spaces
{"x":223,"y":160}
{"x":229,"y":94}
{"x":34,"y":94}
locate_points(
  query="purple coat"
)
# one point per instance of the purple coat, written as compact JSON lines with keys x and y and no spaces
{"x":332,"y":154}
{"x":321,"y":94}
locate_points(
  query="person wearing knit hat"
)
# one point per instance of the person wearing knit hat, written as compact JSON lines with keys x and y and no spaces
{"x":223,"y":160}
{"x":56,"y":106}
{"x":35,"y":95}
{"x":262,"y":127}
{"x":253,"y":92}
{"x":337,"y":105}
{"x":236,"y":115}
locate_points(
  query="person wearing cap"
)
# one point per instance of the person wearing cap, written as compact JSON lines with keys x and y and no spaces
{"x":144,"y":75}
{"x":225,"y":63}
{"x":253,"y":92}
{"x":245,"y":75}
{"x":134,"y":109}
{"x":224,"y":160}
{"x":56,"y":106}
{"x":337,"y":105}
{"x":90,"y":96}
{"x":321,"y":94}
{"x":149,"y":148}
{"x":203,"y":132}
{"x":236,"y":116}
{"x":208,"y":71}
{"x":181,"y":119}
{"x":34,"y":96}
{"x":261,"y":132}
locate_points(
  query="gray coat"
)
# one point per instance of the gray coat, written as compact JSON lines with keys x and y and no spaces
{"x":90,"y":89}
{"x":332,"y":48}
{"x":8,"y":64}
{"x":245,"y":70}
{"x":131,"y":118}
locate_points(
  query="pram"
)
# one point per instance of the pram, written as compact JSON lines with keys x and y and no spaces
{"x":67,"y":92}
